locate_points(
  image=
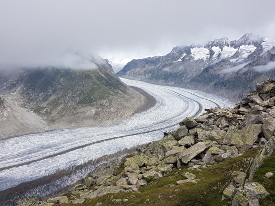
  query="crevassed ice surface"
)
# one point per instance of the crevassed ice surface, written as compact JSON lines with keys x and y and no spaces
{"x":29,"y":157}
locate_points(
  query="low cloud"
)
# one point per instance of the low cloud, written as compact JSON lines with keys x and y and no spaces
{"x":36,"y":33}
{"x":233,"y":69}
{"x":75,"y":60}
{"x":265,"y":68}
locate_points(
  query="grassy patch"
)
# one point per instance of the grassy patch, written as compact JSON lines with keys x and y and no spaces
{"x":165,"y":191}
{"x":268,"y":183}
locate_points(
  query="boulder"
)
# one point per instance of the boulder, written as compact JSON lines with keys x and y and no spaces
{"x":269,"y":174}
{"x":189,"y":175}
{"x":188,"y":154}
{"x":202,"y":118}
{"x":268,"y":127}
{"x":140,"y":160}
{"x":132,"y":178}
{"x":151,"y":174}
{"x":168,"y":145}
{"x":141,"y":182}
{"x":59,"y":200}
{"x":187,"y":141}
{"x":215,"y":150}
{"x":174,"y":152}
{"x":79,"y":187}
{"x":157,"y":148}
{"x":229,"y":192}
{"x":239,"y":179}
{"x":259,"y":159}
{"x":251,"y":192}
{"x":170,"y":160}
{"x":244,"y":138}
{"x":165,"y":168}
{"x":78,"y":201}
{"x":89,"y":181}
{"x":179,"y":182}
{"x":189,"y":122}
{"x":122,"y":181}
{"x":181,"y":132}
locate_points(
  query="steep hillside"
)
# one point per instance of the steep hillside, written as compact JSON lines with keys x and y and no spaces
{"x":228,"y":68}
{"x":65,"y":98}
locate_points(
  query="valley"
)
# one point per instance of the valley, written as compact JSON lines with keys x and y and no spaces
{"x":30,"y":158}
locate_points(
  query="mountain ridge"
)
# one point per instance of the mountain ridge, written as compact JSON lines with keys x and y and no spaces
{"x":214,"y":67}
{"x":58,"y":98}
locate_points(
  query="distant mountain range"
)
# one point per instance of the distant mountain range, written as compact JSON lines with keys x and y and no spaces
{"x":224,"y":67}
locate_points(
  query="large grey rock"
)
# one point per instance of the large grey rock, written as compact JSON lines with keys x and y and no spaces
{"x":189,"y":175}
{"x":142,"y":182}
{"x":269,"y":174}
{"x":165,"y":168}
{"x":59,"y":200}
{"x":152,"y":174}
{"x":187,"y":141}
{"x":229,"y":191}
{"x":181,"y":132}
{"x":244,"y":138}
{"x":268,"y":127}
{"x":179,"y":182}
{"x":140,"y":160}
{"x":170,"y":160}
{"x":250,"y":193}
{"x":78,"y":201}
{"x":259,"y":159}
{"x":189,"y":122}
{"x":157,"y":148}
{"x":188,"y":154}
{"x":132,"y":178}
{"x":122,"y":181}
{"x":240,"y":179}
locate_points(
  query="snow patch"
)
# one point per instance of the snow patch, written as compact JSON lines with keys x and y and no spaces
{"x":267,"y":45}
{"x":246,"y":50}
{"x":228,"y":52}
{"x":217,"y":51}
{"x":200,"y":53}
{"x":180,"y":59}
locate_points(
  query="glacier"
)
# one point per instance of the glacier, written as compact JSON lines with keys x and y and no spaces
{"x":30,"y":157}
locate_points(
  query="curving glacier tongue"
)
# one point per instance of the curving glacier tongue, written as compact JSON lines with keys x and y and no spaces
{"x":31,"y":157}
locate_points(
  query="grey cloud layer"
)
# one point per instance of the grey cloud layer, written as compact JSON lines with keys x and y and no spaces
{"x":40,"y":32}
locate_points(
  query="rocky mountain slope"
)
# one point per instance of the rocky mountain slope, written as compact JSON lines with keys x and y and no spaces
{"x":33,"y":100}
{"x":223,"y":157}
{"x":228,"y":68}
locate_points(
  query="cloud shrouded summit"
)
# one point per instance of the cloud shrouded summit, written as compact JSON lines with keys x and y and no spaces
{"x":39,"y":33}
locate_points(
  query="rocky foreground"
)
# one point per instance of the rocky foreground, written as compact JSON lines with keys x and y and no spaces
{"x":212,"y":158}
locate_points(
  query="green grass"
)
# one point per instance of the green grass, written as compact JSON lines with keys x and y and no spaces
{"x":268,"y":183}
{"x":165,"y":191}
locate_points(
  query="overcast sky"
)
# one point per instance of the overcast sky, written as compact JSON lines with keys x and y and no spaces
{"x":41,"y":32}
